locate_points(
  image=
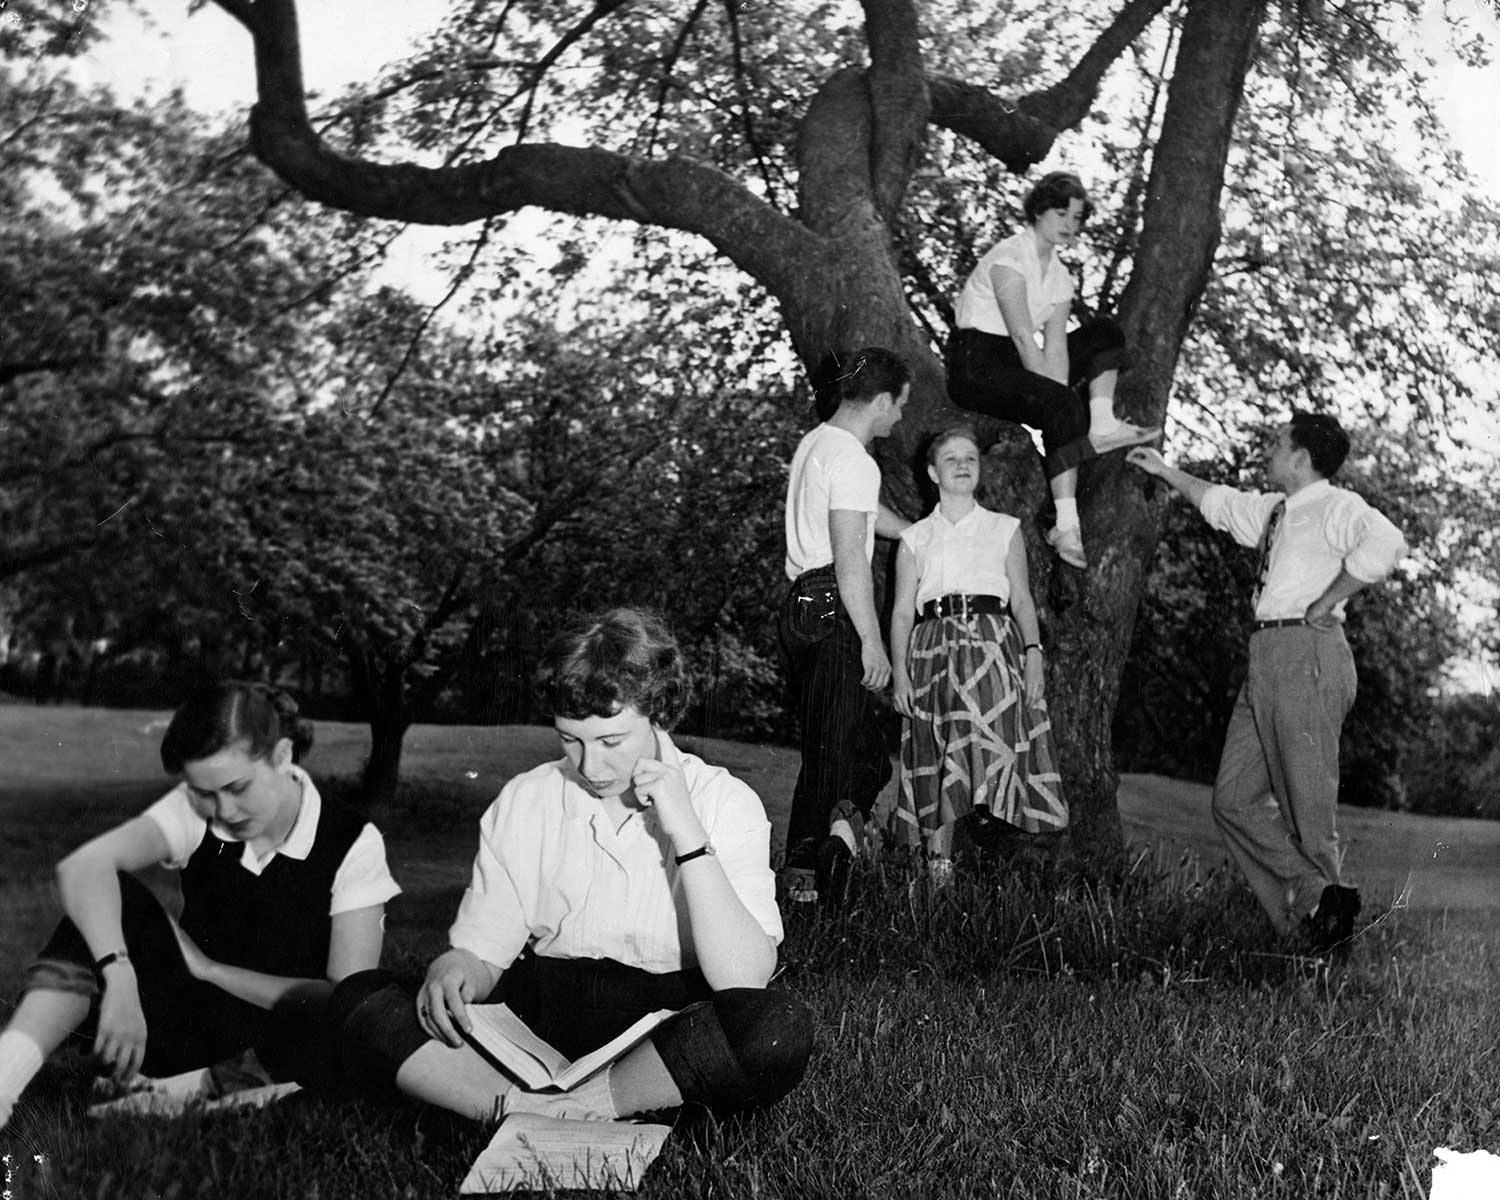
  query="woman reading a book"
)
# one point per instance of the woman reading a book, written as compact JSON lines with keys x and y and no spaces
{"x":282,"y":897}
{"x":625,"y":877}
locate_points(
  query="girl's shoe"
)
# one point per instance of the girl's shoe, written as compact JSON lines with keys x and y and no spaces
{"x":1069,"y":545}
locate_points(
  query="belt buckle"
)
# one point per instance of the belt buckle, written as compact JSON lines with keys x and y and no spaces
{"x":963,"y":603}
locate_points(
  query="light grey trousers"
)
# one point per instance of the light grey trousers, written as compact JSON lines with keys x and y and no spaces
{"x":1277,"y":790}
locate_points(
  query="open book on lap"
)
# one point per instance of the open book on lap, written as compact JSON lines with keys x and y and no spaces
{"x":509,"y":1042}
{"x":531,"y":1152}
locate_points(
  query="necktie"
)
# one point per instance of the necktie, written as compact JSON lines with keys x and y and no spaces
{"x":1264,"y":571}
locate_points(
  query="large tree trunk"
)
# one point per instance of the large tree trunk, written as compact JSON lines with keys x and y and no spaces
{"x":1094,"y":615}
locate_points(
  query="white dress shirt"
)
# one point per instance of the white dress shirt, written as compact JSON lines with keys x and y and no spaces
{"x":362,"y":879}
{"x":979,"y":308}
{"x":1324,"y":530}
{"x":552,"y":870}
{"x":967,"y":555}
{"x":830,"y":470}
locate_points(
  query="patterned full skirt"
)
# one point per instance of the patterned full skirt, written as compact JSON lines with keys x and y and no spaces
{"x":974,"y":742}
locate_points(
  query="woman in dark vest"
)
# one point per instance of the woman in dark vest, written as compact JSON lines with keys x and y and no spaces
{"x":283,"y":896}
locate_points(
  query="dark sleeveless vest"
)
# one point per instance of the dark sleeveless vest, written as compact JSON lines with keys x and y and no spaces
{"x":276,"y":922}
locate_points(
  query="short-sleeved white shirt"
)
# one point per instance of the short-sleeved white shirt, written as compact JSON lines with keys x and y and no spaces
{"x":553,"y":871}
{"x":830,"y":470}
{"x":967,"y":555}
{"x":362,"y":879}
{"x":978,"y":307}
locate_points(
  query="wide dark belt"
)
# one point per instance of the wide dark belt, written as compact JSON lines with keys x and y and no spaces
{"x":961,"y":605}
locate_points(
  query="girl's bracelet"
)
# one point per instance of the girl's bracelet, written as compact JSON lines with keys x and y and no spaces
{"x":1037,"y":646}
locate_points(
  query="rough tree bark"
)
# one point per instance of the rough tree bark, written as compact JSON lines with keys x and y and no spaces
{"x":834,"y":267}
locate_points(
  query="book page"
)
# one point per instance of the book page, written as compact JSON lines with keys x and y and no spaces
{"x":577,"y":1072}
{"x":510,"y":1040}
{"x":533,"y":1152}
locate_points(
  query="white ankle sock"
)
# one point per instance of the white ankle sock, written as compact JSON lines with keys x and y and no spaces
{"x":1102,"y":417}
{"x":844,"y":831}
{"x":1067,"y":513}
{"x":591,"y":1100}
{"x":20,"y":1059}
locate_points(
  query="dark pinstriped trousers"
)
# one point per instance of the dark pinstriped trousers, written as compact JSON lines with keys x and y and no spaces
{"x":843,"y":752}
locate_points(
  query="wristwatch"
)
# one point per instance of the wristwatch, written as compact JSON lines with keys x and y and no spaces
{"x":706,"y":848}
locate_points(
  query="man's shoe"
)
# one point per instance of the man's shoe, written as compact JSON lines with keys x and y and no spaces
{"x":1069,"y":545}
{"x":1331,"y":924}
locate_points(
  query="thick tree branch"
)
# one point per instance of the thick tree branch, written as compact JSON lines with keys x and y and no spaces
{"x":1021,"y":135}
{"x":1000,"y":129}
{"x":899,"y":103}
{"x":1068,"y":101}
{"x":673,"y":193}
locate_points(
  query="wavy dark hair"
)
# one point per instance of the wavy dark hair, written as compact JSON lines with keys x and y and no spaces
{"x":227,"y":713}
{"x":599,"y":663}
{"x":1057,"y":189}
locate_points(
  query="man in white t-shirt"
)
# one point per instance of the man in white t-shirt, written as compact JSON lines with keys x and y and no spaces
{"x":829,"y":627}
{"x":1276,"y":794}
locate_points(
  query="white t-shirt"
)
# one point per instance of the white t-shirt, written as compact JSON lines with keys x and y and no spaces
{"x":831,"y":470}
{"x":552,"y":870}
{"x":1045,"y":290}
{"x":967,"y":555}
{"x":362,"y":879}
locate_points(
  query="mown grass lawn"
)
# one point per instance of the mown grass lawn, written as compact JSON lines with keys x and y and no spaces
{"x":1037,"y":1032}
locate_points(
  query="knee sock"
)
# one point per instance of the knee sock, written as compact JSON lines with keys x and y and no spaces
{"x":1067,"y":513}
{"x":1102,"y":417}
{"x":591,"y":1100}
{"x":20,"y":1060}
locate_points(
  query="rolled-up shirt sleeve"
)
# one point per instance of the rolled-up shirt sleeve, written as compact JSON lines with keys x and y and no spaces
{"x":1372,"y":545}
{"x":491,"y":922}
{"x":741,"y":836}
{"x":1242,"y":515}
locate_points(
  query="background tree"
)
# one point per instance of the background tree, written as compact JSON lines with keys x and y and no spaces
{"x":833,"y":263}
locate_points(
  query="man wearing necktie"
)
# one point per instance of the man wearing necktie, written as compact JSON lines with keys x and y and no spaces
{"x":1277,"y":789}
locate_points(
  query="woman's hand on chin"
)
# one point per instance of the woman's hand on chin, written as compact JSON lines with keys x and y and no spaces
{"x":660,"y":786}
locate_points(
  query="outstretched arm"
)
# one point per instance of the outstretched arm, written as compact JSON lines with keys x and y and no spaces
{"x":889,"y":523}
{"x":1153,"y":463}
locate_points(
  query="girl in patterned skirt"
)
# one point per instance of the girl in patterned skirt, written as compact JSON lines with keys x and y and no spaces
{"x":967,"y":667}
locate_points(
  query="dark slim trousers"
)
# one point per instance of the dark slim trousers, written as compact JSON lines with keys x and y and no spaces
{"x":189,"y":1023}
{"x":726,"y":1051}
{"x":985,"y":375}
{"x":844,"y":760}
